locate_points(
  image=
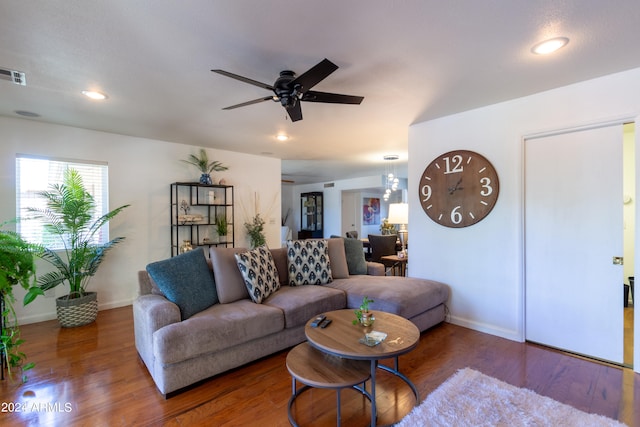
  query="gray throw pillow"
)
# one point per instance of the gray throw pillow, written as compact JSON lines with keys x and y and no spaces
{"x":354,"y":251}
{"x":186,"y":280}
{"x":355,"y":256}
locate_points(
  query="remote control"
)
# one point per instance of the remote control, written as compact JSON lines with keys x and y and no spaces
{"x":318,"y":320}
{"x":325,"y":323}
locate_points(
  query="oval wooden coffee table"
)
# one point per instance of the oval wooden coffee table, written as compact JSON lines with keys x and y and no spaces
{"x":320,"y":370}
{"x":341,"y":338}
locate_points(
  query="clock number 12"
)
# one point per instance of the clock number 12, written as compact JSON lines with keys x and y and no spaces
{"x":453,"y":164}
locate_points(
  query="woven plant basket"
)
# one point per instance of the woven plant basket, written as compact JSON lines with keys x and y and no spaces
{"x":74,"y":312}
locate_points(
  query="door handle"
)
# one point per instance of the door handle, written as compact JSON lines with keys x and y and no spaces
{"x":618,"y":260}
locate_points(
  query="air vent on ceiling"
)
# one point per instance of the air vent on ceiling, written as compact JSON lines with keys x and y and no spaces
{"x":17,"y":77}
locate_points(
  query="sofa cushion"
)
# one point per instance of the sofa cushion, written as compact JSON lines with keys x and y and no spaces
{"x":217,"y":328}
{"x":259,"y":272}
{"x":308,"y":262}
{"x":301,"y":303}
{"x":404,"y":296}
{"x":186,"y":281}
{"x":280,"y":260}
{"x":354,"y":254}
{"x":338,"y":259}
{"x":229,"y":281}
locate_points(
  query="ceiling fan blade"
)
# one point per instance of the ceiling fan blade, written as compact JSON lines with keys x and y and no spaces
{"x":314,"y":75}
{"x":244,"y":79}
{"x":255,"y":101}
{"x":334,"y":98}
{"x":295,"y":112}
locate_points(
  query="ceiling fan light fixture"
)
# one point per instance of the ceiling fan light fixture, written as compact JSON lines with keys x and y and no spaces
{"x":95,"y":95}
{"x":549,"y":46}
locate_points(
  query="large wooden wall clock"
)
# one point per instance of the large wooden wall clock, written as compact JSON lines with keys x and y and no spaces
{"x":458,"y":188}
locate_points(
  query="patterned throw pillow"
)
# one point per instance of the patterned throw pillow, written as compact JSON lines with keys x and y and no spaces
{"x":259,"y":272}
{"x":308,"y":262}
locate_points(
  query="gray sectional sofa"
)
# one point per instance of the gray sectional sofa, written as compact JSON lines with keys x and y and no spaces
{"x":181,"y":350}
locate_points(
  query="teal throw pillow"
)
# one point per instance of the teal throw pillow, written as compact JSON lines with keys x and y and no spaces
{"x":187,"y":281}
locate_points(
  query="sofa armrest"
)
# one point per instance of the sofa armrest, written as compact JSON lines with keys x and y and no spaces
{"x":150,"y":313}
{"x":375,"y":269}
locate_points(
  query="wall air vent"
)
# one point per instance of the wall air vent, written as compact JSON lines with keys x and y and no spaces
{"x":330,"y":185}
{"x":17,"y":77}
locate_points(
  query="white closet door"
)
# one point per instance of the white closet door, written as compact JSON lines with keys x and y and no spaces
{"x":573,"y":229}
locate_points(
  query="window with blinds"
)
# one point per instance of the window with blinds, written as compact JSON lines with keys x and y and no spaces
{"x":36,"y":174}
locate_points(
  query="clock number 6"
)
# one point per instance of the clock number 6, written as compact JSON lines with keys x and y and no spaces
{"x":486,"y":187}
{"x":456,"y":216}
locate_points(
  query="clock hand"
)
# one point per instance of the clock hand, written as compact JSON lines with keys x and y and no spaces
{"x":456,"y":187}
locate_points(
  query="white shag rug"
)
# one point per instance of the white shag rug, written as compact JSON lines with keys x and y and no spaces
{"x":470,"y":398}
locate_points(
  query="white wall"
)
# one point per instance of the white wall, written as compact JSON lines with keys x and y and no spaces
{"x":483,"y":263}
{"x":140,"y":171}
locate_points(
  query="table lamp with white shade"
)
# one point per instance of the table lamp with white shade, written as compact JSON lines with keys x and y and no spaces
{"x":399,"y":214}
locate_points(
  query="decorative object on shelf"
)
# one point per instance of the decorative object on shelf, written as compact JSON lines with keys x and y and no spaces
{"x":190,"y":219}
{"x":17,"y":267}
{"x":205,"y":167}
{"x":186,"y":246}
{"x":68,"y":215}
{"x":184,"y":207}
{"x":458,"y":188}
{"x":363,"y":315}
{"x":221,"y":227}
{"x":399,"y":214}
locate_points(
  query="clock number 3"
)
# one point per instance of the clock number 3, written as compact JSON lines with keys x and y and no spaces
{"x":486,"y":187}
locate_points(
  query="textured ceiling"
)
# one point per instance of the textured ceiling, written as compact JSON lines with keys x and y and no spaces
{"x":412,"y":60}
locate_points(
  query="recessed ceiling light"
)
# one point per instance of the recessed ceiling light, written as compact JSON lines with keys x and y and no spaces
{"x":282,"y":137}
{"x":94,"y":95}
{"x":549,"y":46}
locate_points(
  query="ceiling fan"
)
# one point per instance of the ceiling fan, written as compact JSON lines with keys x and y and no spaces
{"x":289,"y":90}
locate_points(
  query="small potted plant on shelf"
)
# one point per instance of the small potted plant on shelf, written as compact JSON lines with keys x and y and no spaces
{"x":363,"y":315}
{"x":205,"y":167}
{"x":68,"y":217}
{"x":222,"y":227}
{"x":17,"y":267}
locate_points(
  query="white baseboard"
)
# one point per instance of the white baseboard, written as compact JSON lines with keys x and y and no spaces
{"x":51,"y":315}
{"x":487,"y":328}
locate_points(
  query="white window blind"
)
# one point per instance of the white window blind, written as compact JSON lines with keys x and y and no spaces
{"x":36,"y":174}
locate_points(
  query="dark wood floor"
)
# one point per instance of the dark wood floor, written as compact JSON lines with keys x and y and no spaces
{"x":92,"y":376}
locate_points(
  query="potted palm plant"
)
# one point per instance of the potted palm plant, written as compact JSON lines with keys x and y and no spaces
{"x":205,"y":167}
{"x":17,"y":267}
{"x":68,"y":216}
